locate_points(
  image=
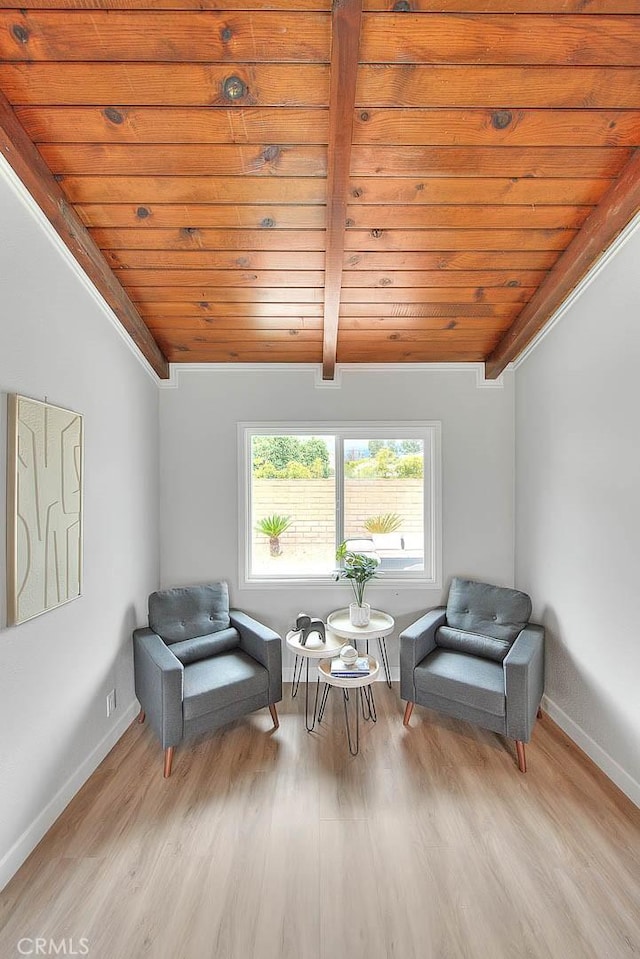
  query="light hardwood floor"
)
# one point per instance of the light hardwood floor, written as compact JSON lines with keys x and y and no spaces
{"x":279,"y":845}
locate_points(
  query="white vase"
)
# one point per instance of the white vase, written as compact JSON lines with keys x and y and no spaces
{"x":359,"y":615}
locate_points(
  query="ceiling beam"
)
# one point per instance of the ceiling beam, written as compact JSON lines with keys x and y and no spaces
{"x":23,"y":156}
{"x":346,"y":17}
{"x":617,"y":207}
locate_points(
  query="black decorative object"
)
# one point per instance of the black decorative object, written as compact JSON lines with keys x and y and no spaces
{"x":306,"y":626}
{"x":302,"y":621}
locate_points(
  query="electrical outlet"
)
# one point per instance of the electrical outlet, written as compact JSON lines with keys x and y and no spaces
{"x":111,"y":702}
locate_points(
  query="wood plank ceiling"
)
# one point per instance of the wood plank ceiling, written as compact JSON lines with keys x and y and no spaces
{"x":302,"y":181}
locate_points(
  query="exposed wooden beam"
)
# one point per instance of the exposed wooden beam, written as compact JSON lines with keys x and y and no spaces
{"x":615,"y":210}
{"x":346,"y":18}
{"x":20,"y":152}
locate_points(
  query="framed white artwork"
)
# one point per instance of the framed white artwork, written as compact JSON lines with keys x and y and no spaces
{"x":44,"y":507}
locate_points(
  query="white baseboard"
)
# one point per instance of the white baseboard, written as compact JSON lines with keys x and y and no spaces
{"x":13,"y":859}
{"x":287,"y":674}
{"x":629,"y":786}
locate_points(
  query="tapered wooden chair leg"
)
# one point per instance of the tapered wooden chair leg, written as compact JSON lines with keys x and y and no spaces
{"x":141,"y":716}
{"x":274,"y":715}
{"x":407,"y":713}
{"x":522,"y":759}
{"x":168,"y":760}
{"x":539,"y":713}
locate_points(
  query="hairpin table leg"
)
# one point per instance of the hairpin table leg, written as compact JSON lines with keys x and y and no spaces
{"x":310,"y":725}
{"x":366,"y":696}
{"x":354,"y":744}
{"x":384,"y":656}
{"x":323,"y":701}
{"x":297,"y":664}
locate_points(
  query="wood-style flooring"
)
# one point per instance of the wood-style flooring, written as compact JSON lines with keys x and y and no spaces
{"x":280,"y":845}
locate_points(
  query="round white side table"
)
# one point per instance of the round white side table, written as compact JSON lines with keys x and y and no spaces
{"x":380,"y":625}
{"x":314,"y":648}
{"x":363,"y":688}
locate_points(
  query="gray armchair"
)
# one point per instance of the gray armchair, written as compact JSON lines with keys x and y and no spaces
{"x":200,"y":664}
{"x":478,"y":659}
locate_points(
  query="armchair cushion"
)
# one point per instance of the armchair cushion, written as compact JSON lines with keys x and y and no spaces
{"x":462,"y":678}
{"x":204,"y":647}
{"x":236,"y":676}
{"x":488,"y":647}
{"x":494,"y":611}
{"x":189,"y":612}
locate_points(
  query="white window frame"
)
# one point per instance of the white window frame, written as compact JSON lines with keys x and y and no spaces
{"x":429,"y":431}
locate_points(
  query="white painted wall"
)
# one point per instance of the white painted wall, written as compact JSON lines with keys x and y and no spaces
{"x":56,"y":670}
{"x":578,"y":513}
{"x":199,"y":476}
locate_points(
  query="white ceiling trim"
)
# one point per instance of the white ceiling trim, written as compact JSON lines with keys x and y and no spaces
{"x":177,"y":370}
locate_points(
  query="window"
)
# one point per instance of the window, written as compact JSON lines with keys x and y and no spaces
{"x":307,"y":487}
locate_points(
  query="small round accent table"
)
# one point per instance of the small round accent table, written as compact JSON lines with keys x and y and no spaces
{"x":363,"y":698}
{"x":380,"y":625}
{"x":313,"y":649}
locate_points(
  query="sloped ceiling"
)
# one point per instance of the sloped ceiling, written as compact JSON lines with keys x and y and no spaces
{"x":301,"y":181}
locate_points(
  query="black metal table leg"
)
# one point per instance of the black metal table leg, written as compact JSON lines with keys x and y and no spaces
{"x":296,"y":682}
{"x":366,"y":715}
{"x":384,"y":656}
{"x":364,"y":694}
{"x":367,"y":694}
{"x":311,"y":727}
{"x":323,"y":701}
{"x":354,"y":752}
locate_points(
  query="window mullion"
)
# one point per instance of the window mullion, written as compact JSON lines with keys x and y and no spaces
{"x":339,"y":460}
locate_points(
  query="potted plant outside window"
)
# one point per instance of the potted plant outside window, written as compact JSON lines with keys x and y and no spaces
{"x":358,"y":569}
{"x":273,"y":527}
{"x":383,"y":529}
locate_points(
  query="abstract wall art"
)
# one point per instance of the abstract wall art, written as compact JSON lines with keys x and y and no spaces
{"x":44,"y":507}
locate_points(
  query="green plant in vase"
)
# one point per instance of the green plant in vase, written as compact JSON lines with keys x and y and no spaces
{"x":274,"y":526}
{"x":358,"y":569}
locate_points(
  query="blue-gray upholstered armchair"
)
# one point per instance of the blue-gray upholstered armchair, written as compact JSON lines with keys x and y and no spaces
{"x":200,"y":664}
{"x":478,"y":659}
